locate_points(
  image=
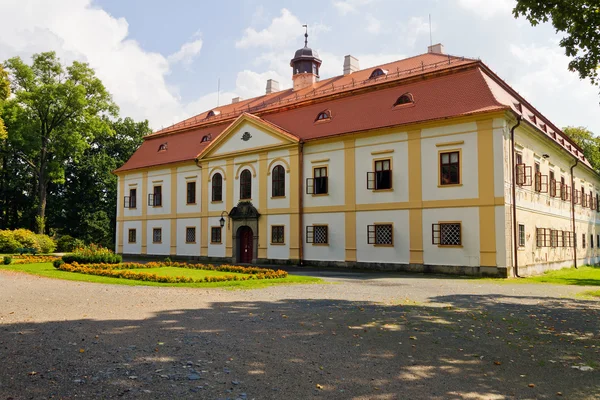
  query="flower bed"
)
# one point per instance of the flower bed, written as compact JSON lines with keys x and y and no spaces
{"x":92,"y":254}
{"x":124,"y":271}
{"x":26,"y":259}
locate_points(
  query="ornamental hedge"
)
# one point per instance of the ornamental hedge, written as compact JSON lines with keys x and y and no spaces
{"x":124,"y":271}
{"x":92,"y":254}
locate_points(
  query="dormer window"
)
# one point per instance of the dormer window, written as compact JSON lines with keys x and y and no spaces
{"x":213,"y":113}
{"x":323,"y":116}
{"x":206,"y":138}
{"x":377,"y":73}
{"x":406,"y":98}
{"x":162,"y":147}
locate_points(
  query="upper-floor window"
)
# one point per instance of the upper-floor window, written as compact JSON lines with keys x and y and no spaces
{"x":278,"y":181}
{"x":541,"y":181}
{"x":155,"y":198}
{"x":381,"y":178}
{"x":318,"y":184}
{"x":131,"y":200}
{"x":552,"y":180}
{"x":191,"y":193}
{"x":323,"y":116}
{"x":217,"y":187}
{"x":406,"y":98}
{"x":245,"y":185}
{"x":377,"y":72}
{"x":450,"y":168}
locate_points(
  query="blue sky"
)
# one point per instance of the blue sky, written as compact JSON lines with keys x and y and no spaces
{"x":162,"y":60}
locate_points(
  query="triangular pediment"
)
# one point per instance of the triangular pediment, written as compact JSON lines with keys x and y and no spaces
{"x":245,"y":134}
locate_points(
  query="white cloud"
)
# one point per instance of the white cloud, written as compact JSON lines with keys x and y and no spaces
{"x":349,"y":6}
{"x":187,"y":53}
{"x":488,"y":8}
{"x":373,"y":24}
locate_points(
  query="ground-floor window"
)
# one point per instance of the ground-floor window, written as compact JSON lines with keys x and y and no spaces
{"x":583,"y":240}
{"x":521,"y":235}
{"x":380,"y":234}
{"x":446,"y":234}
{"x":317,"y":234}
{"x":190,"y":234}
{"x":592,"y":241}
{"x":277,"y":234}
{"x":553,"y":238}
{"x":132,"y":236}
{"x":215,"y":234}
{"x":157,"y":235}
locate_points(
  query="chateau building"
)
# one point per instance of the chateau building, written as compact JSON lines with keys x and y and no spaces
{"x":431,"y":163}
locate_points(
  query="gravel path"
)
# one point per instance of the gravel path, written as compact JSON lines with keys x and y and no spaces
{"x":360,"y":336}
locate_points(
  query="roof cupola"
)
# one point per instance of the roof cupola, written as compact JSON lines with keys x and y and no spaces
{"x":305,"y":65}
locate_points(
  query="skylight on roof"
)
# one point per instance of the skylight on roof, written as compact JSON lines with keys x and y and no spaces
{"x":323,"y":116}
{"x":377,"y":72}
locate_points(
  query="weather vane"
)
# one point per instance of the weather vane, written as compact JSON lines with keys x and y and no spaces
{"x":305,"y":35}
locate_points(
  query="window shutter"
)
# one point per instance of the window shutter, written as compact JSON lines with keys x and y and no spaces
{"x":151,"y":199}
{"x":310,"y":234}
{"x":538,"y":182}
{"x":435,"y":233}
{"x":371,"y":237}
{"x":543,"y":183}
{"x":126,"y":202}
{"x":310,"y":186}
{"x":370,"y":180}
{"x":552,"y":188}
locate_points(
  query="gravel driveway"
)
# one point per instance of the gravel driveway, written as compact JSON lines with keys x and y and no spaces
{"x":360,"y":336}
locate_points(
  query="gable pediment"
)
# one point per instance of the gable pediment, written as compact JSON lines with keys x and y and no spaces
{"x":245,"y":134}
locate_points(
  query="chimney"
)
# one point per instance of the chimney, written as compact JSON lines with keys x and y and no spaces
{"x":350,"y":64}
{"x":436,"y":48}
{"x":272,"y":86}
{"x":236,"y":100}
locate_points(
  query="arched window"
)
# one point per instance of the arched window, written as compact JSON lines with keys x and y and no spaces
{"x":206,"y":138}
{"x":245,"y":185}
{"x":323,"y":115}
{"x":162,"y":147}
{"x":278,"y":181}
{"x":217,"y":187}
{"x":377,"y":73}
{"x":213,"y":113}
{"x":406,"y":98}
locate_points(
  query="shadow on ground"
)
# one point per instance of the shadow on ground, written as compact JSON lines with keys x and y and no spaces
{"x":463,"y":346}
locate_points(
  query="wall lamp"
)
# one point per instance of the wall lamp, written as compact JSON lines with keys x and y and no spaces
{"x":222,"y":220}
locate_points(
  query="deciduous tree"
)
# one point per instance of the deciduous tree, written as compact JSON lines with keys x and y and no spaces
{"x":589,"y":143}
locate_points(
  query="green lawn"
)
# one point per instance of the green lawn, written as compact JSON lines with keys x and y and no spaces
{"x":47,"y":270}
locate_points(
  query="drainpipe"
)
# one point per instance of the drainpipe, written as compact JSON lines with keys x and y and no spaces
{"x":573,"y":213}
{"x":301,"y":205}
{"x":514,"y":199}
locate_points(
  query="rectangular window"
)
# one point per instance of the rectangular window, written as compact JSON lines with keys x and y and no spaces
{"x":215,"y":234}
{"x":191,"y":193}
{"x":450,"y":168}
{"x":155,"y":198}
{"x":541,"y":237}
{"x":157,"y":235}
{"x":190,"y":234}
{"x":552,"y":179}
{"x":598,"y":241}
{"x":318,"y":184}
{"x":538,"y":178}
{"x":553,"y":238}
{"x":132,"y":236}
{"x":446,"y":234}
{"x":380,"y":234}
{"x":381,"y":179}
{"x":131,"y":200}
{"x":583,"y":240}
{"x":317,"y":234}
{"x":521,"y":235}
{"x":277,"y":234}
{"x":591,"y":241}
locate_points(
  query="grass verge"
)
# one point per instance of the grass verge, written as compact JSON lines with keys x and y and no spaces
{"x":47,"y":270}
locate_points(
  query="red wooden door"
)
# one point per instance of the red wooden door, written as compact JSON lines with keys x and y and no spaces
{"x":246,"y":245}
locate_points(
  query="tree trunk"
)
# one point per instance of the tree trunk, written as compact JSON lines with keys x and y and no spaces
{"x":42,"y":194}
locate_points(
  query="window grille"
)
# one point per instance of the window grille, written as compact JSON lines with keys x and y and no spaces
{"x":156,"y":235}
{"x":318,"y":184}
{"x":317,"y":234}
{"x":382,"y":177}
{"x":155,"y":198}
{"x":521,"y":235}
{"x":450,"y":168}
{"x":380,"y":234}
{"x":215,"y":234}
{"x":245,"y":185}
{"x":523,"y":175}
{"x":190,"y":235}
{"x":278,"y":181}
{"x":217,"y":187}
{"x":446,"y":234}
{"x":132,"y":236}
{"x":191,"y":192}
{"x":277,"y":234}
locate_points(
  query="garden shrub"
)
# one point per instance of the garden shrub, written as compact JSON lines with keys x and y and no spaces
{"x":8,"y":243}
{"x":58,"y":263}
{"x":33,"y":259}
{"x":67,"y":243}
{"x":27,"y":239}
{"x":7,"y":260}
{"x":46,"y":243}
{"x":92,"y":254}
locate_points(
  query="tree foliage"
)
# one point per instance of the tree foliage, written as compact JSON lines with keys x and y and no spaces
{"x":579,"y":20}
{"x":54,"y":114}
{"x":589,"y":143}
{"x":4,"y":93}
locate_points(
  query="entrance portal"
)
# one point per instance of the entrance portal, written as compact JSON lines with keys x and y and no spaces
{"x":245,"y":245}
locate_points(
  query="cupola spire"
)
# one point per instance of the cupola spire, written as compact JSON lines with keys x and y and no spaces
{"x":305,"y":65}
{"x":305,"y":35}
